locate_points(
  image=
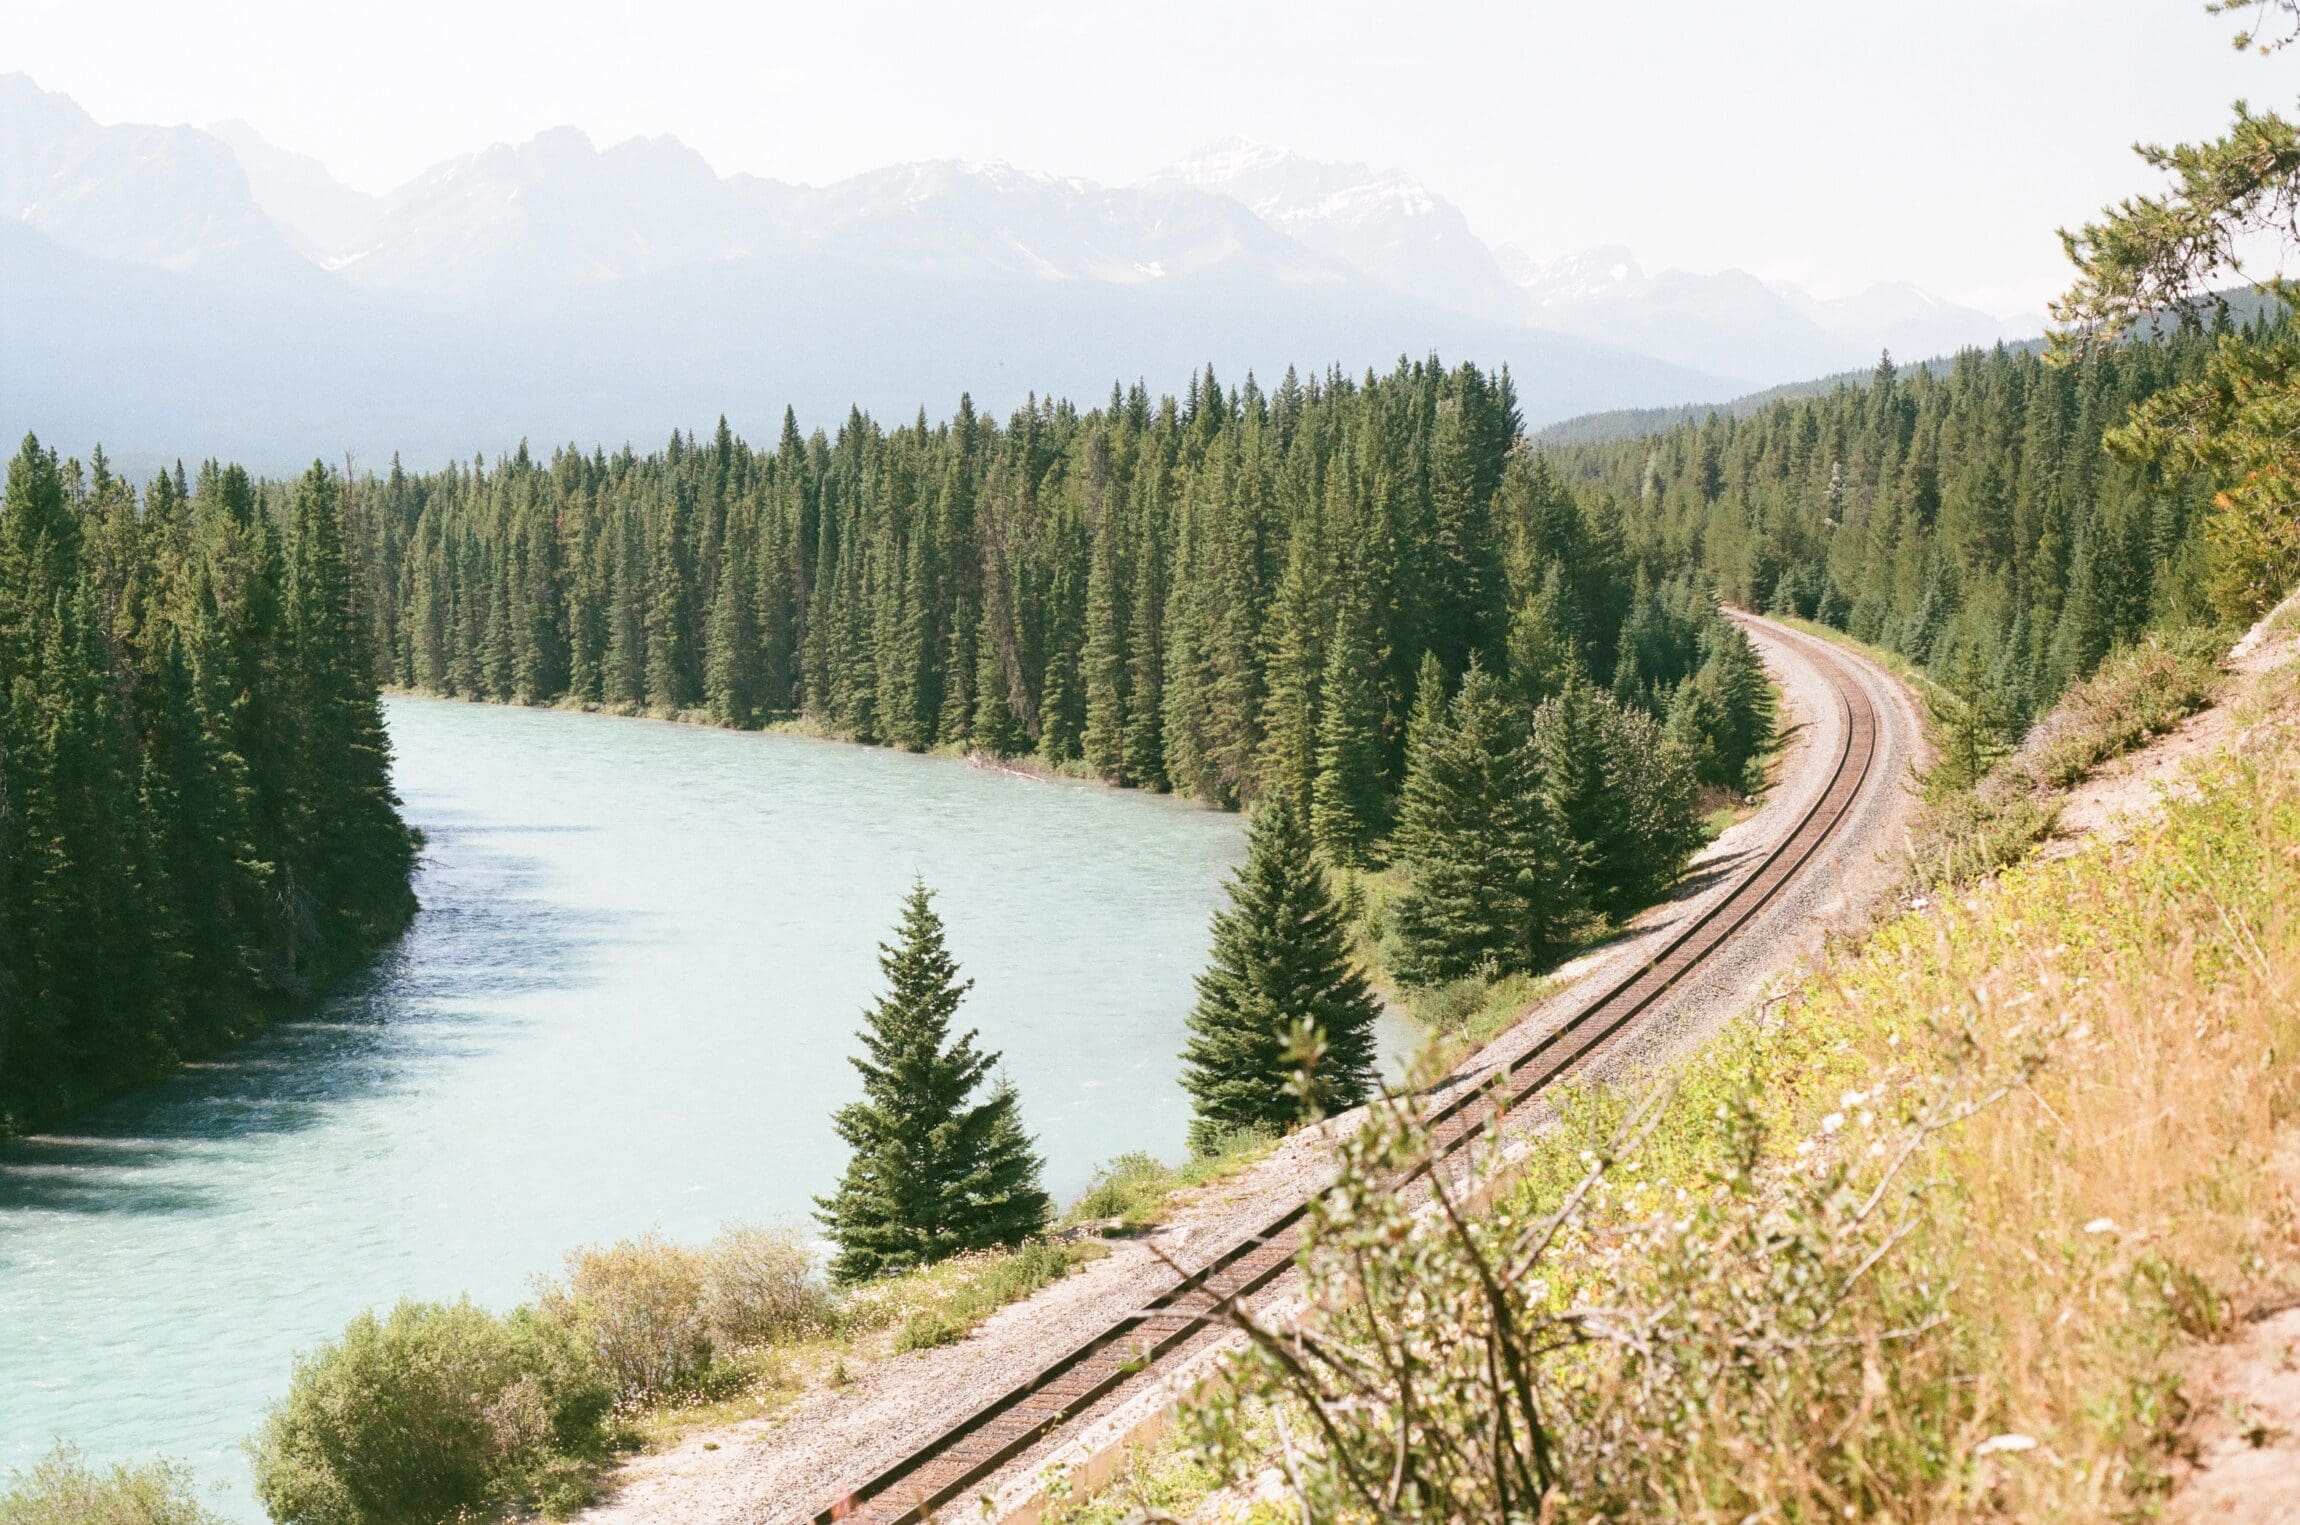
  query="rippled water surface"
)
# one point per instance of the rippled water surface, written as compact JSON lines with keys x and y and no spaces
{"x":628,"y":1001}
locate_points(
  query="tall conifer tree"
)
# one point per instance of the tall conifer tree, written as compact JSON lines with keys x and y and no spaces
{"x":1280,"y":973}
{"x":934,"y":1170}
{"x":1492,"y":887}
{"x":1348,"y":803}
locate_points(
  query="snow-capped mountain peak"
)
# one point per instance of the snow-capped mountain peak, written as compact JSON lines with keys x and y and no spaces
{"x":1382,"y":223}
{"x":1730,"y":323}
{"x":1589,"y":275}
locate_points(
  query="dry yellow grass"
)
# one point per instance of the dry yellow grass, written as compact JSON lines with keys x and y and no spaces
{"x":2121,"y":1202}
{"x":2124,"y":1201}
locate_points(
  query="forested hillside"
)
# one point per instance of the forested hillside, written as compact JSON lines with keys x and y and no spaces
{"x":1970,"y":520}
{"x":1221,"y":594}
{"x":1225,"y":594}
{"x":196,"y":819}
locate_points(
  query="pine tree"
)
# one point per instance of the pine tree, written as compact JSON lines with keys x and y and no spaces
{"x":933,"y":1171}
{"x":1492,"y":870}
{"x":731,"y":675}
{"x":1624,"y":792}
{"x":195,"y":806}
{"x":347,"y":847}
{"x":1293,"y":665}
{"x":1145,"y":705}
{"x":1348,"y":803}
{"x":674,"y":668}
{"x":1544,"y":649}
{"x":1104,"y":742}
{"x":995,"y":728}
{"x":1280,"y":986}
{"x":1182,"y":736}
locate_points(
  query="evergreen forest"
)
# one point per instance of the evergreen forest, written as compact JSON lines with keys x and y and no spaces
{"x":196,"y":820}
{"x":1499,"y":666}
{"x":1224,"y":594}
{"x":1968,"y":518}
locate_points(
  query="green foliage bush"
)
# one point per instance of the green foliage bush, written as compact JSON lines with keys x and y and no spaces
{"x":1137,"y":1189}
{"x":438,"y":1410}
{"x":924,"y":1330}
{"x":944,"y":1302}
{"x":759,"y":1287}
{"x":2139,"y":693}
{"x":664,"y":1320}
{"x":1125,"y":1188}
{"x":432,"y":1411}
{"x":64,"y":1488}
{"x":1477,"y":1006}
{"x":638,"y":1305}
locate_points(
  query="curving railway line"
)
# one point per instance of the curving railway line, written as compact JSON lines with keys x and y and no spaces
{"x":1133,"y":1349}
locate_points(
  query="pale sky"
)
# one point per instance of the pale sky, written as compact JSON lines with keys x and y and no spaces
{"x":1837,"y":142}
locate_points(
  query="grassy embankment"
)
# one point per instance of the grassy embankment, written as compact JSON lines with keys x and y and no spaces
{"x":2129,"y":1015}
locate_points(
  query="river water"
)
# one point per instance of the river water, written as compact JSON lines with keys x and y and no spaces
{"x":628,"y":1001}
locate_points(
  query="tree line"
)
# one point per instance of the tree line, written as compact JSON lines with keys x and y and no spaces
{"x":1226,"y":593}
{"x":1971,"y":520}
{"x":196,"y":818}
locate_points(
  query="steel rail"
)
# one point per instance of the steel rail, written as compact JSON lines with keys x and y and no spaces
{"x":964,"y":1453}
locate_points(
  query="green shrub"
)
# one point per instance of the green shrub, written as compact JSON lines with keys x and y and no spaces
{"x":938,"y":1304}
{"x":1966,"y":834}
{"x":1477,"y":1007}
{"x":435,"y":1410}
{"x":1136,"y":1188}
{"x":1973,"y":826}
{"x":760,"y":1286}
{"x":639,"y":1305}
{"x":1131,"y":1188}
{"x":924,"y":1330}
{"x":63,"y":1488}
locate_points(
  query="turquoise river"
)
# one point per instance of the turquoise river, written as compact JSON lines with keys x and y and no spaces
{"x":627,"y":1002}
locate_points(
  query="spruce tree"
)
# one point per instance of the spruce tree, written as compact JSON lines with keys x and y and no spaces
{"x":1544,"y":648}
{"x":1103,"y":743}
{"x":1347,"y":803}
{"x":1292,"y":665}
{"x":1145,"y":712}
{"x":1280,"y":972}
{"x":731,"y":673}
{"x":1492,"y":887}
{"x":1624,"y":791}
{"x":934,"y":1172}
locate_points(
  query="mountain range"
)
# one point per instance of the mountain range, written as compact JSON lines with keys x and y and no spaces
{"x":185,"y":290}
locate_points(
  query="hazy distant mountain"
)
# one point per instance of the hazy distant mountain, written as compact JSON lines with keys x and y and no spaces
{"x":1732,"y":324}
{"x":169,"y":289}
{"x":551,"y":211}
{"x":168,"y":196}
{"x":157,"y":362}
{"x":557,"y":211}
{"x":1385,"y":224}
{"x":321,"y":214}
{"x":1910,"y":322}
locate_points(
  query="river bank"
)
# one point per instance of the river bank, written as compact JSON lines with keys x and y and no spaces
{"x":627,"y":1003}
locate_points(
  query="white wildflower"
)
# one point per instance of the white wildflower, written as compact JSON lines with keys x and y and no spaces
{"x":1996,"y":1443}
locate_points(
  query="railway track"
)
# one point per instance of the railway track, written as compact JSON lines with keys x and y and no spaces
{"x":1131,"y":1350}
